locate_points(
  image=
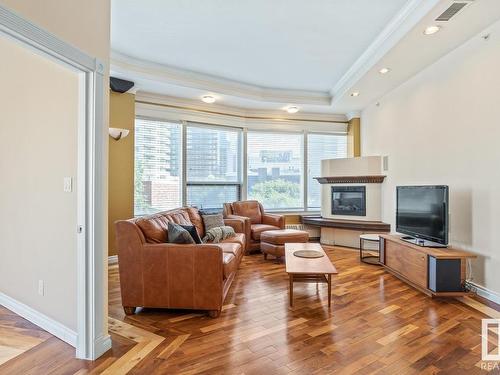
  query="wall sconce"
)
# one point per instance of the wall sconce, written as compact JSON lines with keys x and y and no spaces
{"x":117,"y":133}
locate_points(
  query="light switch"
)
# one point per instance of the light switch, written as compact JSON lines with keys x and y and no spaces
{"x":68,"y":184}
{"x":41,"y":287}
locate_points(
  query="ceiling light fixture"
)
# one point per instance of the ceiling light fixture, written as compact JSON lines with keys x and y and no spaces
{"x":292,"y":109}
{"x":384,"y":70}
{"x":432,"y":29}
{"x":355,"y":93}
{"x":208,"y":99}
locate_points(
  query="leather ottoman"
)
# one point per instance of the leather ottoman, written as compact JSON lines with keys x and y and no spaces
{"x":272,"y":242}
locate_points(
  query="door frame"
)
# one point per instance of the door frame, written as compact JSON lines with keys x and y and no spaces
{"x":92,"y":333}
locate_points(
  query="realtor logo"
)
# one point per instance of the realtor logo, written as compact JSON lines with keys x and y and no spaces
{"x":490,"y":333}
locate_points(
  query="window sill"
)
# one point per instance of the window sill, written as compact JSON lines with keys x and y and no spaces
{"x":293,"y":212}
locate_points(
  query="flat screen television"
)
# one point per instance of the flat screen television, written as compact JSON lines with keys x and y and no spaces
{"x":422,"y":214}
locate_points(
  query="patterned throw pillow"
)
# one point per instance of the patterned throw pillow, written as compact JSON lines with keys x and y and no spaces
{"x":193,"y":232}
{"x":177,"y":234}
{"x":212,"y":221}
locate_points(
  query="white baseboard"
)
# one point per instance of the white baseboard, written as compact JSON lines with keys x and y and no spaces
{"x":48,"y":324}
{"x":112,"y":259}
{"x":483,"y":292}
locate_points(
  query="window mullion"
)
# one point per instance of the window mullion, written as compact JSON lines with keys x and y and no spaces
{"x":305,"y":173}
{"x":184,"y":163}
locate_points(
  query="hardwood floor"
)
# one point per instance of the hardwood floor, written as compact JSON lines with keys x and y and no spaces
{"x":377,"y":324}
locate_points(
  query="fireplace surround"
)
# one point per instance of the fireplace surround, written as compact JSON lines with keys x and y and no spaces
{"x":351,"y":197}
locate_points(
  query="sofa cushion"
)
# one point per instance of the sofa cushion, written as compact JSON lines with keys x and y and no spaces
{"x":155,"y":227}
{"x":229,"y":264}
{"x":231,"y":248}
{"x":257,"y":229}
{"x":196,"y":219}
{"x":238,"y":238}
{"x":250,"y":209}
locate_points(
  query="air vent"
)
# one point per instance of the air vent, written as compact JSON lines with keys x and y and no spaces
{"x":451,"y":11}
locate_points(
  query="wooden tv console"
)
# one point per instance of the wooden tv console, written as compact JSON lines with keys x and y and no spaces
{"x":415,"y":264}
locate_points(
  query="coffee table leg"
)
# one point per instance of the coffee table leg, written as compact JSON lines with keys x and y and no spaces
{"x":329,"y":290}
{"x":291,"y":290}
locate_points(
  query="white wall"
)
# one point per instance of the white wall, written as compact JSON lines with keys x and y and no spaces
{"x":443,"y":127}
{"x":38,"y":147}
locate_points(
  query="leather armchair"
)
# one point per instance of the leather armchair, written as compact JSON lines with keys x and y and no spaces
{"x":154,"y":273}
{"x":256,"y":221}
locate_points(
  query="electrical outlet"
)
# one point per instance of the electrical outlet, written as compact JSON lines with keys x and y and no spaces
{"x":68,"y":185}
{"x":41,"y":287}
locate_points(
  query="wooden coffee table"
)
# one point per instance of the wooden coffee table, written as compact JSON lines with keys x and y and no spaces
{"x":308,"y":269}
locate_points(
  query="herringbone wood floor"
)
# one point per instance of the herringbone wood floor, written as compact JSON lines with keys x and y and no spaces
{"x":377,"y":325}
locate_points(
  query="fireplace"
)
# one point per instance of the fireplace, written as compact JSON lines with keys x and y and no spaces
{"x":349,"y":200}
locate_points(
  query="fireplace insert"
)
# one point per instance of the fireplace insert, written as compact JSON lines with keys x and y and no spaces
{"x":349,"y":200}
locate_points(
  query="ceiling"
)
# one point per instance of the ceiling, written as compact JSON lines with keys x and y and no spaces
{"x":268,"y":54}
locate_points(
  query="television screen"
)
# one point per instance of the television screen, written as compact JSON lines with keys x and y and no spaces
{"x":422,"y":212}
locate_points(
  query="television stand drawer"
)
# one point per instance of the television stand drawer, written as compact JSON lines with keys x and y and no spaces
{"x":408,"y":262}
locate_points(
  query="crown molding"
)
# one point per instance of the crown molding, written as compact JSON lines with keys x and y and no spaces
{"x":217,"y":109}
{"x":398,"y":27}
{"x":353,"y":114}
{"x":127,"y":65}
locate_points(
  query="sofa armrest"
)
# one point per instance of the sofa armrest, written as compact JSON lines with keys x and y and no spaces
{"x":183,"y":276}
{"x":238,"y":224}
{"x":247,"y":227}
{"x":273,"y":219}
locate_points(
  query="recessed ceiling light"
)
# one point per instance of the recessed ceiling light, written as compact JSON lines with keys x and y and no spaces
{"x":208,"y":99}
{"x":292,"y":109}
{"x":432,"y":29}
{"x":384,"y":70}
{"x":355,"y":93}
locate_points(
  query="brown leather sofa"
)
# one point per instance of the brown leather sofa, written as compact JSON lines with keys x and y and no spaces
{"x":256,"y":221}
{"x":154,"y":273}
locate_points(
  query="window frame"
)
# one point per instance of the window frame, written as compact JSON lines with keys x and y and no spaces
{"x":303,"y":134}
{"x":181,"y":175}
{"x":306,"y":165}
{"x":186,"y":182}
{"x":242,"y":181}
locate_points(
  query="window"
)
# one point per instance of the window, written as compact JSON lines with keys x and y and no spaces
{"x":275,"y":169}
{"x":319,"y":147}
{"x":201,"y":165}
{"x":213,"y":165}
{"x":157,"y":166}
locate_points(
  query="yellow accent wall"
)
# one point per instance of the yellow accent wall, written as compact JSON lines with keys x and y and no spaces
{"x":292,"y":219}
{"x":121,"y":163}
{"x":354,"y":138}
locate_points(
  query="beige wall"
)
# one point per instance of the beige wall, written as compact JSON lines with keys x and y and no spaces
{"x":38,"y":148}
{"x":121,"y":163}
{"x":45,"y":106}
{"x":442,"y":127}
{"x":83,"y":24}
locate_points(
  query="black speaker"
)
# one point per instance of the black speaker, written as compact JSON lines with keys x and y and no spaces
{"x":120,"y":85}
{"x":444,"y":275}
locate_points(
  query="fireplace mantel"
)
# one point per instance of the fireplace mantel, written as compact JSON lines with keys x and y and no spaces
{"x":374,"y":179}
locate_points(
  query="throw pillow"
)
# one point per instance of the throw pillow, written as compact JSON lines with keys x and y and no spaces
{"x":193,"y":232}
{"x":179,"y":235}
{"x":212,"y":221}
